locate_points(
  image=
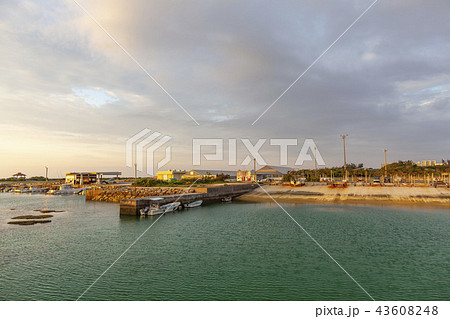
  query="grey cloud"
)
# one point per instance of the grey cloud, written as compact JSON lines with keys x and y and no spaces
{"x":226,"y":61}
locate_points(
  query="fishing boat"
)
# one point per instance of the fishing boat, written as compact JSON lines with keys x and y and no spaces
{"x":227,"y":199}
{"x":155,"y":209}
{"x":194,"y":204}
{"x":170,"y":207}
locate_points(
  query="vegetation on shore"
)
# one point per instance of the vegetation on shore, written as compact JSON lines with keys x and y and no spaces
{"x":151,"y":182}
{"x":401,"y":168}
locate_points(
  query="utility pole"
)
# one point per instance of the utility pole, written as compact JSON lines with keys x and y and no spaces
{"x":135,"y":171}
{"x":46,"y":173}
{"x":385,"y":163}
{"x":315,"y":159}
{"x":254,"y":168}
{"x":345,"y":160}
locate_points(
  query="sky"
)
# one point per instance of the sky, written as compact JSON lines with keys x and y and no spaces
{"x":70,"y":97}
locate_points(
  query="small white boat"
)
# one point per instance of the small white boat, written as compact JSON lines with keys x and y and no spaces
{"x":147,"y":211}
{"x":159,"y":210}
{"x":227,"y":199}
{"x":194,"y":204}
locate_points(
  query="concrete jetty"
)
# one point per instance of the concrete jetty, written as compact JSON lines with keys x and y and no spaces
{"x":207,"y":194}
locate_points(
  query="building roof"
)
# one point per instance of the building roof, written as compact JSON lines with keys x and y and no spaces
{"x":275,"y":169}
{"x":19,"y":174}
{"x":95,"y":173}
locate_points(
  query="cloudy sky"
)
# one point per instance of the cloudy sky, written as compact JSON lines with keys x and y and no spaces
{"x":70,"y":97}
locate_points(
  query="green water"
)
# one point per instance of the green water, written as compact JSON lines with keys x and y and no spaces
{"x":235,"y":251}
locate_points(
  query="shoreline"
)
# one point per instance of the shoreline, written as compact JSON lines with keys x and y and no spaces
{"x":353,"y":195}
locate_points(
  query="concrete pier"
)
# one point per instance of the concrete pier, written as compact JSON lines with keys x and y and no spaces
{"x":207,"y":194}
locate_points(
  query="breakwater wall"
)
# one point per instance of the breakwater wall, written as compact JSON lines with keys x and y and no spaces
{"x":133,"y":206}
{"x":117,"y":194}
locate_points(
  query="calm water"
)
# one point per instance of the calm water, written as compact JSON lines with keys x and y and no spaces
{"x":236,"y":251}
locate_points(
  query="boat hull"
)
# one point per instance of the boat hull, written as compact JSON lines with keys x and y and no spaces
{"x":194,"y":204}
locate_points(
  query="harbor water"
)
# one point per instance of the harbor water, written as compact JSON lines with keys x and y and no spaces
{"x":226,"y":251}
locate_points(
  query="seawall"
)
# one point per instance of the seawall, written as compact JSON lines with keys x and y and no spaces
{"x":117,"y":194}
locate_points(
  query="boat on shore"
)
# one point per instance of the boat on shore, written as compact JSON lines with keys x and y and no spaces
{"x":194,"y":204}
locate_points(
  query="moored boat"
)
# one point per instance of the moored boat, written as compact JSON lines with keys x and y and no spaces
{"x":194,"y":204}
{"x":227,"y":199}
{"x":154,"y":209}
{"x":170,"y":207}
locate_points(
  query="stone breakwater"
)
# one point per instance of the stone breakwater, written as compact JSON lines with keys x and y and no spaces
{"x":115,"y":195}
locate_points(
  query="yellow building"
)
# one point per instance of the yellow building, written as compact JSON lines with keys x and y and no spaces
{"x":192,"y":175}
{"x":170,"y":175}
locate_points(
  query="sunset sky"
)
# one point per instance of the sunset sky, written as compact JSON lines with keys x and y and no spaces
{"x":70,"y":97}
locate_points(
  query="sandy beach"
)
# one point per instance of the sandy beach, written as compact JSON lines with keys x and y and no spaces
{"x":354,"y":195}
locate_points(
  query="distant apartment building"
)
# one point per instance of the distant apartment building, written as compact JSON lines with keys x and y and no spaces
{"x":428,"y":163}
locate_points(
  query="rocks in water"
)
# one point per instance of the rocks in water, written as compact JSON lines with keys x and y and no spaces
{"x":45,"y":211}
{"x":33,"y":217}
{"x":30,"y":222}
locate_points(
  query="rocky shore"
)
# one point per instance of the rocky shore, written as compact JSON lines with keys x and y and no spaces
{"x":353,"y":194}
{"x":115,"y":195}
